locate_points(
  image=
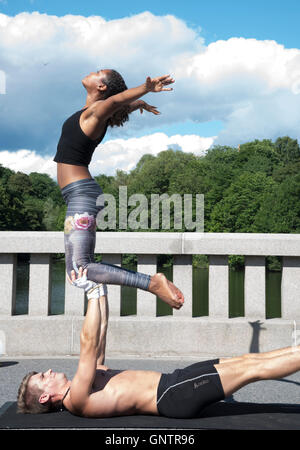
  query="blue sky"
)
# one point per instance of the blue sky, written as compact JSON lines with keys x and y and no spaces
{"x":218,"y":19}
{"x":211,"y":22}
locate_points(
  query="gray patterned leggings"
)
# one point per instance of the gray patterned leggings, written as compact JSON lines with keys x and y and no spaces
{"x":80,"y":237}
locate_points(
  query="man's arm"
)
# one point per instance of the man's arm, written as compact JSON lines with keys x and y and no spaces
{"x":104,"y":312}
{"x":89,"y":342}
{"x":99,"y":291}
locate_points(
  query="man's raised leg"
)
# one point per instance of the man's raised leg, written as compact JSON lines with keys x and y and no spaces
{"x":264,"y":355}
{"x":236,"y":374}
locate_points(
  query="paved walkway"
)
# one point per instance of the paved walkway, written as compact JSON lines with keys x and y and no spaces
{"x":12,"y":371}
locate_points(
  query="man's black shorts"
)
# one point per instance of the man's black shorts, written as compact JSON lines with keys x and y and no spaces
{"x":185,"y":392}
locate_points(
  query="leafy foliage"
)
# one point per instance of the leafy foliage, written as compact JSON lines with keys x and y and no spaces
{"x":251,"y":189}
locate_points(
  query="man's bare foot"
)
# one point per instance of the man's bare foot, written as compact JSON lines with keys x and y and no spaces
{"x":166,"y":290}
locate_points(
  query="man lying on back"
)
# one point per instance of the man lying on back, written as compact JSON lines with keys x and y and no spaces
{"x":97,"y":391}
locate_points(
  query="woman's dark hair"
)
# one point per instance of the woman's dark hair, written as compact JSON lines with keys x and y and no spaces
{"x":116,"y":84}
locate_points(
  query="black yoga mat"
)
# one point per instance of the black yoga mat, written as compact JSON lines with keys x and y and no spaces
{"x":220,"y":416}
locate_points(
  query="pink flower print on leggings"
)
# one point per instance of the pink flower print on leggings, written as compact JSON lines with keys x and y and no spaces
{"x":84,"y":221}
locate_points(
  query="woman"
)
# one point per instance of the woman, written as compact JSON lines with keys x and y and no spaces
{"x":108,"y":103}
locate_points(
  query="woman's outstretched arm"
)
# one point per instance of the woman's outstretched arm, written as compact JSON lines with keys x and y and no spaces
{"x":141,"y":105}
{"x":105,"y":109}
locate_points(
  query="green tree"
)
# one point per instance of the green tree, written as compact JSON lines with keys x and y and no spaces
{"x":107,"y":183}
{"x":51,"y":213}
{"x":280,"y":208}
{"x":287,"y":149}
{"x":6,"y":212}
{"x":253,"y":188}
{"x":61,"y":218}
{"x":5,"y":173}
{"x":258,"y":156}
{"x":11,"y":216}
{"x":19,"y":184}
{"x":32,"y":214}
{"x":218,"y":170}
{"x":284,"y":172}
{"x":43,"y":187}
{"x":237,"y":210}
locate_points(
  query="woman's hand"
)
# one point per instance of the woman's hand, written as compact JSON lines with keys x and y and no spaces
{"x":92,"y":289}
{"x":141,"y":105}
{"x":158,"y":84}
{"x":144,"y":106}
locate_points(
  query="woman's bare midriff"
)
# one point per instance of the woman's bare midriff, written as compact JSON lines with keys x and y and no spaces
{"x":67,"y":173}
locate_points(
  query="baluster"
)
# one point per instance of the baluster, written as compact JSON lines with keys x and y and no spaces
{"x":74,"y":299}
{"x":255,"y":287}
{"x":8,"y":268}
{"x":39,"y":284}
{"x":290,"y":287}
{"x":218,"y":287}
{"x":146,"y":302}
{"x":114,"y":291}
{"x":183,"y":279}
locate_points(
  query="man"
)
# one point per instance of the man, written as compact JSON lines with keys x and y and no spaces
{"x":97,"y":391}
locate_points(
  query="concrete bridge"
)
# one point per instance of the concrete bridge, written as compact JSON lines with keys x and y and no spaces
{"x":39,"y":334}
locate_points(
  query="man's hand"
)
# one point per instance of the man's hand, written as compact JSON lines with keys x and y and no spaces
{"x":92,"y":289}
{"x":158,"y":84}
{"x":82,"y":281}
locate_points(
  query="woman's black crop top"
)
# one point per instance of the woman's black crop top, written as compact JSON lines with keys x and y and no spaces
{"x":74,"y":146}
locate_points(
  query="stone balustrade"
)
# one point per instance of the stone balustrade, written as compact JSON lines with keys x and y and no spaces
{"x":179,"y":335}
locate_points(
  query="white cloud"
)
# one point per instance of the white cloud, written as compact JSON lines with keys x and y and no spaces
{"x":252,"y":86}
{"x":123,"y":154}
{"x":45,"y":57}
{"x":28,"y":161}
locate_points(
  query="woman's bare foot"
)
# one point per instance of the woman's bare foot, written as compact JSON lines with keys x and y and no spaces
{"x":166,"y":290}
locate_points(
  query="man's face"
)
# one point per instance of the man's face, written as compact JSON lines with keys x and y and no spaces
{"x":49,"y":382}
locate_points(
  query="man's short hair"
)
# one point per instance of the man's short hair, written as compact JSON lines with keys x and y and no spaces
{"x":28,"y":398}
